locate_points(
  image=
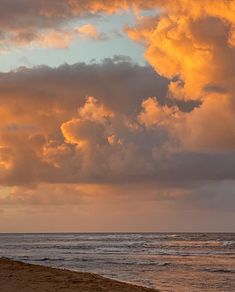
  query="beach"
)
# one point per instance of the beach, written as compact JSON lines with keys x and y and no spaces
{"x":176,"y":262}
{"x":17,"y":276}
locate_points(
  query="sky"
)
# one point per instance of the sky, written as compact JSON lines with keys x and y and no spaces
{"x":117,"y":116}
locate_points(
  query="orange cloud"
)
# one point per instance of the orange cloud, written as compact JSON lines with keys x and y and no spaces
{"x":52,"y":38}
{"x":56,"y":39}
{"x":90,"y":31}
{"x":210,"y":127}
{"x":46,"y":23}
{"x":43,"y":128}
{"x":154,"y":114}
{"x":90,"y":125}
{"x":130,"y":136}
{"x":192,"y":44}
{"x":56,"y":135}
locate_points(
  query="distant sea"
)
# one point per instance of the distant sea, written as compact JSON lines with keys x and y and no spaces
{"x":168,"y":261}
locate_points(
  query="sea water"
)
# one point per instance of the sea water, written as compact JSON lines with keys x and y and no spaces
{"x":166,"y":261}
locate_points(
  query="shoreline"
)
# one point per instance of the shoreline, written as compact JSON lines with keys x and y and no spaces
{"x":19,"y":276}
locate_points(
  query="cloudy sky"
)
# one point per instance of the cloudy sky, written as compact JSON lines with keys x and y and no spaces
{"x":117,"y":115}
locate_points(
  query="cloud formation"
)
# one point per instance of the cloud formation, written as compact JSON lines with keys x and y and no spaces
{"x":116,"y":124}
{"x":90,"y":31}
{"x":43,"y":125}
{"x":192,"y":44}
{"x":74,"y":131}
{"x":49,"y":24}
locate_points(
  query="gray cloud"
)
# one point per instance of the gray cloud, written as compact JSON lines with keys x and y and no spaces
{"x":38,"y":101}
{"x":47,"y":118}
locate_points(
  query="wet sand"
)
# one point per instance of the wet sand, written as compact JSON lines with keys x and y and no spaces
{"x":21,"y":277}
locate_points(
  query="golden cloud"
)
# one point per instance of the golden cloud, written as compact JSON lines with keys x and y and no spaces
{"x":192,"y":44}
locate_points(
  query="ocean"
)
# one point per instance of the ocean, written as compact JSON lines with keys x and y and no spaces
{"x":167,"y":261}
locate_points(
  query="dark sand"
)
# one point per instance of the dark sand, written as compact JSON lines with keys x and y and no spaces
{"x":21,"y":277}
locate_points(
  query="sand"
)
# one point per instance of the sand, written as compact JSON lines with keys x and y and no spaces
{"x":21,"y":277}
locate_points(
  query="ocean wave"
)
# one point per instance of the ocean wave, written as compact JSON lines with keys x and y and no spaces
{"x":230,"y":243}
